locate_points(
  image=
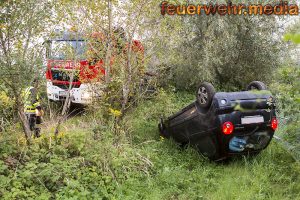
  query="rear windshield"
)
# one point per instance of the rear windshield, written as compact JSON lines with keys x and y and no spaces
{"x":67,"y":49}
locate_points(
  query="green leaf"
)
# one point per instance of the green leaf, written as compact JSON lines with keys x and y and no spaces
{"x":287,"y":37}
{"x":296,"y":38}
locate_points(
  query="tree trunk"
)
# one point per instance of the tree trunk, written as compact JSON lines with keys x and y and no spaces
{"x":24,"y":121}
{"x":108,"y":53}
{"x":126,"y":86}
{"x":65,"y":107}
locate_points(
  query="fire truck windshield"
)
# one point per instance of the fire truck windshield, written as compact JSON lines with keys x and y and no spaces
{"x":67,"y":49}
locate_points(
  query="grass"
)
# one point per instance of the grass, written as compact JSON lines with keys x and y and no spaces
{"x":184,"y":174}
{"x":134,"y":163}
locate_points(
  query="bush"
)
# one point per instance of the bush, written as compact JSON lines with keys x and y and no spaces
{"x":6,"y":110}
{"x":287,"y":90}
{"x":228,"y":51}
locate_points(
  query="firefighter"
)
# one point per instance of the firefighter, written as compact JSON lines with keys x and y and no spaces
{"x":33,"y":109}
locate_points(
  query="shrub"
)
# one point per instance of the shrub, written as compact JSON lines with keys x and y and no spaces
{"x":6,"y":110}
{"x":287,"y":90}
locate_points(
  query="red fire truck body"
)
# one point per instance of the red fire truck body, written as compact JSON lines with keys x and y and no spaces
{"x":82,"y":77}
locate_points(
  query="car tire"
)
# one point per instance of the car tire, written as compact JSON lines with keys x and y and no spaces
{"x":205,"y":94}
{"x":256,"y":85}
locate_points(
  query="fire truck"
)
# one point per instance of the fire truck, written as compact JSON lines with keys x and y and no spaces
{"x":68,"y":67}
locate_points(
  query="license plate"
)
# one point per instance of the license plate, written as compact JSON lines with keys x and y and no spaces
{"x":252,"y":119}
{"x":62,"y":93}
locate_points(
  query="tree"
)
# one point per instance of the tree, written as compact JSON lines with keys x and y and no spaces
{"x":22,"y":25}
{"x":293,"y":33}
{"x":115,"y":26}
{"x":230,"y":50}
{"x":286,"y":86}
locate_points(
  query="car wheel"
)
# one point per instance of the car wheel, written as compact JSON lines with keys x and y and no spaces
{"x":205,"y":94}
{"x":256,"y":85}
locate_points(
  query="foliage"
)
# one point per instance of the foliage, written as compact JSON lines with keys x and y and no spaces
{"x":6,"y":110}
{"x":293,"y":33}
{"x":293,"y":37}
{"x":22,"y":24}
{"x":110,"y":29}
{"x":287,"y":90}
{"x":98,"y":154}
{"x":131,"y":162}
{"x":20,"y":52}
{"x":228,"y":51}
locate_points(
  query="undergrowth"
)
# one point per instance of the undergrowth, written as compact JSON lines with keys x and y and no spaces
{"x":128,"y":160}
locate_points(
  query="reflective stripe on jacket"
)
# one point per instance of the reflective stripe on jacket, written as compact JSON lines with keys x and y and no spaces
{"x":31,"y":100}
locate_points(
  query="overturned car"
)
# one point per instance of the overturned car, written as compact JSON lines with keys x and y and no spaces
{"x":223,"y":124}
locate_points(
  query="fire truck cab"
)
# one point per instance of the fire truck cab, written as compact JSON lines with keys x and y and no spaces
{"x":72,"y":64}
{"x":68,"y":68}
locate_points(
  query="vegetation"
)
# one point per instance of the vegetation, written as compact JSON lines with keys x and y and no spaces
{"x":287,"y":90}
{"x":134,"y":163}
{"x":226,"y":62}
{"x":21,"y":51}
{"x":112,"y":149}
